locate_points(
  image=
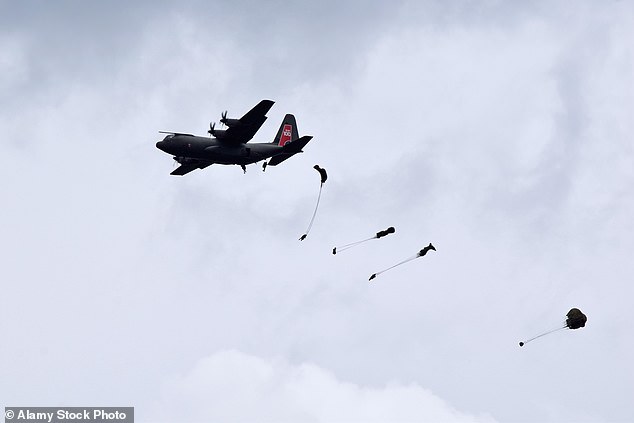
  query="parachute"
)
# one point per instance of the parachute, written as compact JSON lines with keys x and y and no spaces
{"x":322,"y":173}
{"x":379,"y":234}
{"x":324,"y":176}
{"x":421,"y":253}
{"x":575,"y":320}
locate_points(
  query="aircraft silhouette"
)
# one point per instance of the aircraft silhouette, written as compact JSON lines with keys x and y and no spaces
{"x":229,"y":146}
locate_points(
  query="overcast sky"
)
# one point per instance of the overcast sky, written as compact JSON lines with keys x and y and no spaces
{"x":499,"y":131}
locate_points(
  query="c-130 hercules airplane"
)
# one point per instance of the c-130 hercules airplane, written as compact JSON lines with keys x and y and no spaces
{"x":229,"y":146}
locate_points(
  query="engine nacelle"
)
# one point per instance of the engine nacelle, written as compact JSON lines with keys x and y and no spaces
{"x":218,"y":133}
{"x":230,"y":122}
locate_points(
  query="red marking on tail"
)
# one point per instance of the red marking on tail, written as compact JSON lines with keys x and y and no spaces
{"x":286,"y":135}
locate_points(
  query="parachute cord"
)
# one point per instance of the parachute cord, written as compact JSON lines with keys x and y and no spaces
{"x":312,"y":219}
{"x":397,"y":264}
{"x":544,"y":334}
{"x":352,"y":244}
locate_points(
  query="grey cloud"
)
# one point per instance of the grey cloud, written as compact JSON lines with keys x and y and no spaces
{"x":483,"y":129}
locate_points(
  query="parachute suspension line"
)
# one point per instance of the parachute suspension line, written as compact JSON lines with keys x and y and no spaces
{"x":352,"y":244}
{"x":543,"y":334}
{"x":398,"y":264}
{"x":312,"y":219}
{"x":374,"y":275}
{"x":379,"y":234}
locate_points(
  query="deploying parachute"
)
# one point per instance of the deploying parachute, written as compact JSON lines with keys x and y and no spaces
{"x":379,"y":234}
{"x":324,"y":176}
{"x":421,"y":253}
{"x":575,"y":320}
{"x":322,"y":173}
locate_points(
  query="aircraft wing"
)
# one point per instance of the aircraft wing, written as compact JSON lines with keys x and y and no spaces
{"x":186,"y":168}
{"x":249,"y":124}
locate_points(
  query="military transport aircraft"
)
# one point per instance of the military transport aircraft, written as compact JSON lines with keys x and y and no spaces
{"x":229,"y":146}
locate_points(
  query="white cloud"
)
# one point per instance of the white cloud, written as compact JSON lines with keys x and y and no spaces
{"x":231,"y":386}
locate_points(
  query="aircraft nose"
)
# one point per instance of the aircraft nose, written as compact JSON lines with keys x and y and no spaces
{"x":160,"y":145}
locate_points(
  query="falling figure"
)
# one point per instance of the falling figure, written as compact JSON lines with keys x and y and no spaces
{"x":575,"y":320}
{"x":379,"y":234}
{"x":324,"y":176}
{"x":244,"y":168}
{"x":419,"y":254}
{"x":264,"y":165}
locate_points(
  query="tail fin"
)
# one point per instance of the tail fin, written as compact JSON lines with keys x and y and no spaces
{"x":287,"y":132}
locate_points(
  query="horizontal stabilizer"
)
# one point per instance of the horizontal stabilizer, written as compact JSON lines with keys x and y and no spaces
{"x":290,"y":149}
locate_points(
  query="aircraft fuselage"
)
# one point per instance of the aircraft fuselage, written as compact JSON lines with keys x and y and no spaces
{"x":213,"y":150}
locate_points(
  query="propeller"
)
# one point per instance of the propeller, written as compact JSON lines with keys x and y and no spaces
{"x":223,"y":115}
{"x":212,"y":125}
